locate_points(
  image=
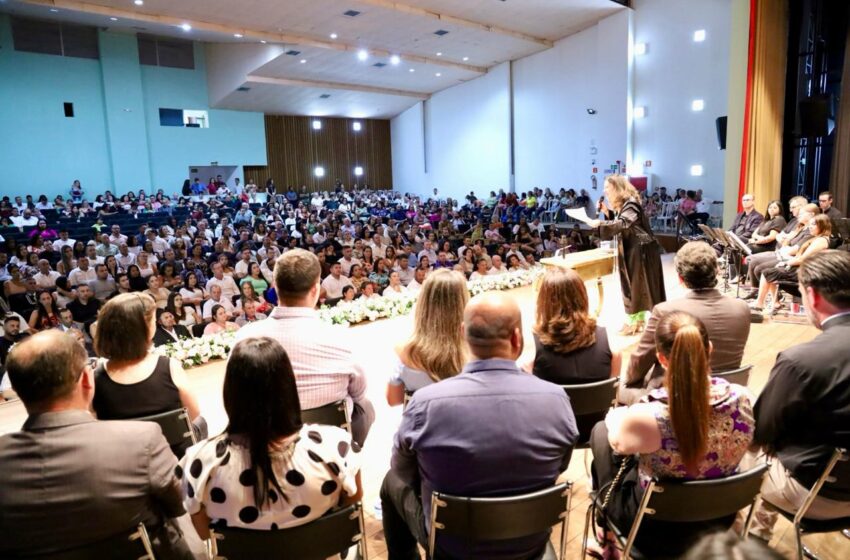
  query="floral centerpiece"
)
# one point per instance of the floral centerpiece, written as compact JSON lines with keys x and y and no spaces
{"x":196,"y":351}
{"x":506,"y":281}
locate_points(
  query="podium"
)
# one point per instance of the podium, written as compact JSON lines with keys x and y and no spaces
{"x":589,"y":265}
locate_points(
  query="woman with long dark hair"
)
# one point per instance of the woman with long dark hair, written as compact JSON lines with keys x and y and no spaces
{"x":137,"y":282}
{"x":639,"y":254}
{"x":45,"y":315}
{"x":267,"y":470}
{"x":695,"y":427}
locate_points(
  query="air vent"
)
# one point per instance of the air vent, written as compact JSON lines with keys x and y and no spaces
{"x":351,"y":13}
{"x":379,"y":64}
{"x":324,"y":96}
{"x":441,"y":32}
{"x":243,"y":88}
{"x":293,"y":52}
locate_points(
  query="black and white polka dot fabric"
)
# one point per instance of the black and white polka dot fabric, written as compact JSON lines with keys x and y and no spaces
{"x":216,"y":473}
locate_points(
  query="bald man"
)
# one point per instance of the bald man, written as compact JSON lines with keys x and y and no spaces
{"x":492,"y":430}
{"x":111,"y":475}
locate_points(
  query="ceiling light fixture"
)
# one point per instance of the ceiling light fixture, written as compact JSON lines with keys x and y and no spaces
{"x":263,"y":42}
{"x":465,"y":58}
{"x":358,"y":171}
{"x":696,"y":170}
{"x":139,"y":2}
{"x":186,"y":27}
{"x":319,"y":171}
{"x":113,"y":19}
{"x":640,"y":112}
{"x":334,"y":35}
{"x":438,"y":74}
{"x":317,"y":125}
{"x":699,"y":35}
{"x":640,"y":49}
{"x":412,"y":70}
{"x":697,"y":105}
{"x":54,"y":10}
{"x":238,"y":35}
{"x":439,"y":54}
{"x":395,"y":60}
{"x":356,"y":126}
{"x":303,"y":61}
{"x":362,"y":54}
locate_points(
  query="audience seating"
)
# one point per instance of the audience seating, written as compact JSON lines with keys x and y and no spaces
{"x":691,"y":501}
{"x":331,"y":414}
{"x":177,"y":429}
{"x":740,"y":376}
{"x":803,"y":526}
{"x":134,"y":544}
{"x":592,"y":398}
{"x":510,"y":517}
{"x":323,"y":538}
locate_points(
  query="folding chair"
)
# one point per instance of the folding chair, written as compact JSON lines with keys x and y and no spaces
{"x":509,"y":517}
{"x":591,"y":398}
{"x":740,"y":376}
{"x":177,"y":429}
{"x":323,"y":538}
{"x":803,"y":526}
{"x":691,"y":501}
{"x":331,"y":414}
{"x":134,"y":544}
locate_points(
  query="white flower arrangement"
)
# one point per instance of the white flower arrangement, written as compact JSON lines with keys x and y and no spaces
{"x":349,"y":313}
{"x":196,"y":351}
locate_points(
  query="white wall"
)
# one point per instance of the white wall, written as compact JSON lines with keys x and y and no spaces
{"x":555,"y":137}
{"x":466,"y":139}
{"x":674,"y":71}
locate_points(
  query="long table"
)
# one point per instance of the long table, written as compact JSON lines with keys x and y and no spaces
{"x":589,"y":265}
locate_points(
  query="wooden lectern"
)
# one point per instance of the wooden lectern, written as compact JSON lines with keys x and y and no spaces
{"x":589,"y":265}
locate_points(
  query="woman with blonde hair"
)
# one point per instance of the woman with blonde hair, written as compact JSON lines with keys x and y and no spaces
{"x":133,"y":382}
{"x":639,"y":254}
{"x":437,"y":349}
{"x":569,"y":347}
{"x":695,"y":427}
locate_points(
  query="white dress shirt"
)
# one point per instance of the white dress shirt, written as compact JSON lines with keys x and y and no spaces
{"x":79,"y":277}
{"x":224,"y":302}
{"x":227,"y":284}
{"x":333,"y":286}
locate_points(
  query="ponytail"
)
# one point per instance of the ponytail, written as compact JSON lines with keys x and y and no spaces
{"x":688,"y":393}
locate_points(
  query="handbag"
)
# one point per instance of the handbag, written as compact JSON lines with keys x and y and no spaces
{"x":599,"y":512}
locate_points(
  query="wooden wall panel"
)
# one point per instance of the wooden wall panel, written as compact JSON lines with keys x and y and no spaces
{"x":294,"y":150}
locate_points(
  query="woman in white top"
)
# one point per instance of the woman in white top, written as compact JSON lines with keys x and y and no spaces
{"x":267,"y":471}
{"x":481,"y":269}
{"x":193,"y":294}
{"x":437,"y":349}
{"x":146,"y":268}
{"x":395,"y":287}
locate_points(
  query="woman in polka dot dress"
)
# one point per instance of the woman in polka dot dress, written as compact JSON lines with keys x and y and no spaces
{"x":267,"y":471}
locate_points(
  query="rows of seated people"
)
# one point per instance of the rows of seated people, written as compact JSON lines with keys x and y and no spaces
{"x":210,"y":269}
{"x":269,"y":470}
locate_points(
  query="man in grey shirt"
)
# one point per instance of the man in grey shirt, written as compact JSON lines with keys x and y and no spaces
{"x":103,"y":286}
{"x":70,"y":480}
{"x":490,"y":431}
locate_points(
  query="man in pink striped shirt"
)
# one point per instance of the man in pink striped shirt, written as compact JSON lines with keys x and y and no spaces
{"x":321,"y":355}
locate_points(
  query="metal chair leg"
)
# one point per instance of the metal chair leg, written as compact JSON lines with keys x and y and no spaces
{"x":587,"y":521}
{"x":846,"y":533}
{"x":808,"y":553}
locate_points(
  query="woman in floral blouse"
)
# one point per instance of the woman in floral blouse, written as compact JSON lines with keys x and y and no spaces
{"x":695,"y":427}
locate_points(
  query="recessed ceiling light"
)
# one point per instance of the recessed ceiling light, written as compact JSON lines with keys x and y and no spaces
{"x":303,"y":61}
{"x":54,"y":10}
{"x":356,"y":126}
{"x":639,"y":112}
{"x":640,"y":48}
{"x":317,"y":125}
{"x":395,"y":60}
{"x":438,"y":74}
{"x":697,"y":105}
{"x":238,"y":35}
{"x":465,"y":58}
{"x":362,"y":54}
{"x":412,"y":70}
{"x":113,"y":19}
{"x":696,"y":170}
{"x":186,"y":27}
{"x":439,"y":54}
{"x":699,"y":35}
{"x":263,"y":42}
{"x":334,"y":35}
{"x":138,"y":2}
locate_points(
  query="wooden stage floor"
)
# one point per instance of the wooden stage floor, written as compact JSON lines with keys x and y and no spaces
{"x":377,"y":340}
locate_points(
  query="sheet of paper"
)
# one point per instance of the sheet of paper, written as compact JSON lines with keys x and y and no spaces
{"x":579,"y":214}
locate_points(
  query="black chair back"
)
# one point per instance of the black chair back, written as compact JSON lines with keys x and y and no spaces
{"x":323,"y":538}
{"x":740,"y":376}
{"x":332,"y":414}
{"x":133,"y":544}
{"x":509,"y":517}
{"x":590,"y":398}
{"x":176,"y":427}
{"x":704,"y":500}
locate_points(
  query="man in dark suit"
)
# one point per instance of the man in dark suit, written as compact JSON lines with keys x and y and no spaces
{"x":70,"y":480}
{"x":167,"y":331}
{"x":726,"y":319}
{"x":803,"y":413}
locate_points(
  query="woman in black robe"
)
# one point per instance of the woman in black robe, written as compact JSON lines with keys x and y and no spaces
{"x":638,"y":252}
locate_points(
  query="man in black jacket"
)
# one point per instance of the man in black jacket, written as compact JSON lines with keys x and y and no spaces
{"x":166,"y":329}
{"x":803,"y":413}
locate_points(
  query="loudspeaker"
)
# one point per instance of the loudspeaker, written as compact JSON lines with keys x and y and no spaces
{"x":813,"y":116}
{"x":721,"y":132}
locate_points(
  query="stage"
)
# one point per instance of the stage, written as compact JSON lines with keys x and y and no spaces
{"x":376,"y":341}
